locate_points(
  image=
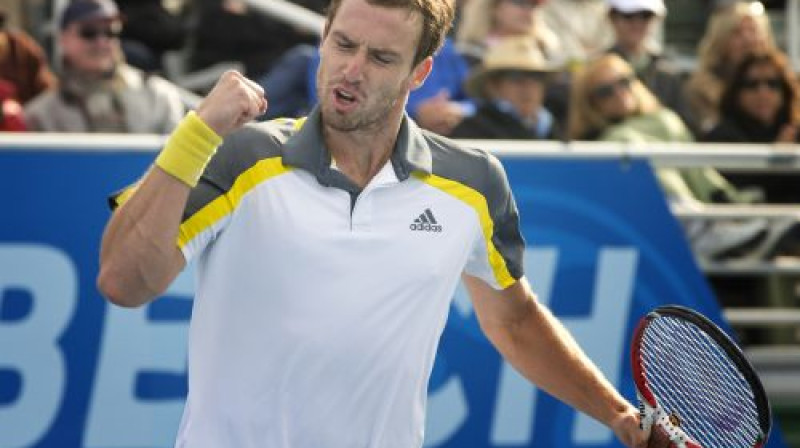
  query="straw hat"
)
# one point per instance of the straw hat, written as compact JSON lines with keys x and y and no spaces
{"x":510,"y":54}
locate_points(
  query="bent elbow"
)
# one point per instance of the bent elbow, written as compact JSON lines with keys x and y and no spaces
{"x":112,"y":287}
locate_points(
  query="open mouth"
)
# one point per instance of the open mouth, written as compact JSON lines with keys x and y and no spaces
{"x":343,"y":96}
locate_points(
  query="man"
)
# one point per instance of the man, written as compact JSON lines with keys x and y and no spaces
{"x":510,"y":83}
{"x":98,"y":92}
{"x":328,"y":250}
{"x":633,"y":22}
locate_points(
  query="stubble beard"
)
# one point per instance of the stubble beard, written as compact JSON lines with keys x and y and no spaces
{"x":368,"y":117}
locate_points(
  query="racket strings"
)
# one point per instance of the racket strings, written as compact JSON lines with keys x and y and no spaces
{"x":692,"y":377}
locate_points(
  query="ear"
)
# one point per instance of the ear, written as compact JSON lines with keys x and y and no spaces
{"x":421,"y":72}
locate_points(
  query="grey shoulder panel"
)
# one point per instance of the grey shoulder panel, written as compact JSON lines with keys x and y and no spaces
{"x":238,"y":153}
{"x":483,"y":173}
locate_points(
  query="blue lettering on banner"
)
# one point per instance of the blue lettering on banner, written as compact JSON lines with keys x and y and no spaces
{"x":78,"y":373}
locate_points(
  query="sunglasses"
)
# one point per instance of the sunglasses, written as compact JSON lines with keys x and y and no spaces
{"x":607,"y":90}
{"x":519,"y":75}
{"x":638,"y":15}
{"x":755,"y":83}
{"x":92,"y":33}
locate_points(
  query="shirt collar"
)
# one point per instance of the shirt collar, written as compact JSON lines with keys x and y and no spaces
{"x":306,"y":149}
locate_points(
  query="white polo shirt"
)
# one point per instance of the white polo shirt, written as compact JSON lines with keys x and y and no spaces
{"x":319,"y":307}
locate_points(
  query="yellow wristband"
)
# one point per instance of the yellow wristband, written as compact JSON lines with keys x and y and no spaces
{"x":189,"y":149}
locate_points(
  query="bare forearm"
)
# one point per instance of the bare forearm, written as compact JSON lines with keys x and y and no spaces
{"x":139,"y":255}
{"x":542,"y":349}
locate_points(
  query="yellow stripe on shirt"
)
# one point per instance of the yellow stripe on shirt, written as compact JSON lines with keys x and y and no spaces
{"x":226,"y":203}
{"x":477,"y":201}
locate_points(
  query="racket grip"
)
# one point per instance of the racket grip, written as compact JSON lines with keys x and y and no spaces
{"x":647,"y":413}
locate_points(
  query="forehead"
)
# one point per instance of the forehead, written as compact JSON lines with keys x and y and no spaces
{"x":607,"y":71}
{"x":762,"y":67}
{"x":395,"y":29}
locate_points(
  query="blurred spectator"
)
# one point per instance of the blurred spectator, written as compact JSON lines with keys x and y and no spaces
{"x":98,"y":91}
{"x":150,"y":30}
{"x":229,"y":30}
{"x":732,"y":32}
{"x":484,"y":22}
{"x":611,"y":104}
{"x":510,"y":84}
{"x":583,"y":31}
{"x":441,"y":102}
{"x":11,"y":116}
{"x":632,"y":22}
{"x":761,"y":104}
{"x":290,"y":82}
{"x":23,"y":63}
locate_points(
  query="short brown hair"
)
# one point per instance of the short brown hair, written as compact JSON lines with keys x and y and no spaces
{"x":437,"y":18}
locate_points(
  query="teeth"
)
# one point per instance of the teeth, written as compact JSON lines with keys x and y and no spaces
{"x":344,"y":95}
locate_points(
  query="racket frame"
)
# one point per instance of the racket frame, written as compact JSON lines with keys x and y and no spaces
{"x":654,"y":414}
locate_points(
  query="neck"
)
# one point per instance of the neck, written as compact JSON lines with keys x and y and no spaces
{"x":361,"y":155}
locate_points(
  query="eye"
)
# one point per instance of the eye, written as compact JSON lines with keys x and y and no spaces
{"x":382,"y":58}
{"x":344,"y":44}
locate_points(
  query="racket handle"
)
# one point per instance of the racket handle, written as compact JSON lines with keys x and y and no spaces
{"x":647,"y":413}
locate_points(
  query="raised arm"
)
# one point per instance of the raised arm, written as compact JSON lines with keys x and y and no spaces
{"x":139,"y":256}
{"x":536,"y":343}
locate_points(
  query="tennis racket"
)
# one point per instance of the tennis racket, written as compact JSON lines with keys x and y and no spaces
{"x":694,"y":383}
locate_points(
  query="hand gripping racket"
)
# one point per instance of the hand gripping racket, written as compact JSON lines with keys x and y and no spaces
{"x":693,"y":382}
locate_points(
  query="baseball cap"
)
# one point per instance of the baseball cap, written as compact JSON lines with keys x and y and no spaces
{"x":85,"y":10}
{"x":627,"y":6}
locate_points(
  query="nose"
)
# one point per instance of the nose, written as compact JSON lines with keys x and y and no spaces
{"x":353,"y":70}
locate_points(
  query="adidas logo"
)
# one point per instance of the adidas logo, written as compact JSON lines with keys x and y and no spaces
{"x":426,"y":223}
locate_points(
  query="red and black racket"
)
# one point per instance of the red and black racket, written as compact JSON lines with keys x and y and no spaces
{"x":694,"y":382}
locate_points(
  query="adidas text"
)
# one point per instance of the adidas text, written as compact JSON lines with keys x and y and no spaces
{"x":426,"y":227}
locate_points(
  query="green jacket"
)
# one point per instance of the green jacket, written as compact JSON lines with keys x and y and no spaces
{"x":704,"y":184}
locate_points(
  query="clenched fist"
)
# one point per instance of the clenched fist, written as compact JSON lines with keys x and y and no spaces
{"x":232,"y":102}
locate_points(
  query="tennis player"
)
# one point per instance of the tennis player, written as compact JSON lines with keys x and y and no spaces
{"x":328,"y":250}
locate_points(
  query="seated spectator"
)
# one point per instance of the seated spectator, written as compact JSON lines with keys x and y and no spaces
{"x":23,"y":63}
{"x":11,"y":117}
{"x":150,"y":31}
{"x":761,"y":104}
{"x":484,"y":22}
{"x":441,"y":102}
{"x":98,"y":91}
{"x":732,"y":32}
{"x":611,"y":104}
{"x":510,"y":84}
{"x":632,"y":22}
